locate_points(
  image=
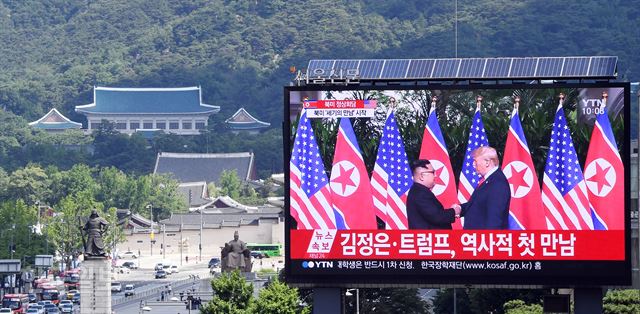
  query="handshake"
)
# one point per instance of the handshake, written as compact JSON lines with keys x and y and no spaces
{"x":458,"y":209}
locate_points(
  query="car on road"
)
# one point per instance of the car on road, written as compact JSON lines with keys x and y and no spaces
{"x":130,"y":265}
{"x":76,"y":298}
{"x":167,"y":268}
{"x":116,"y":286}
{"x":160,"y":274}
{"x":121,"y":270}
{"x":259,"y":255}
{"x":158,"y":266}
{"x":129,"y":290}
{"x":127,"y":254}
{"x":214,"y":262}
{"x":66,"y":308}
{"x":71,"y":293}
{"x":37,"y":308}
{"x":6,"y":310}
{"x":174,"y":269}
{"x":33,"y":311}
{"x":32,"y":297}
{"x":51,"y":308}
{"x":63,"y":302}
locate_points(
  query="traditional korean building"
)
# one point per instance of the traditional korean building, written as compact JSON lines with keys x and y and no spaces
{"x":55,"y":122}
{"x":173,"y":110}
{"x":190,"y":167}
{"x":242,"y":121}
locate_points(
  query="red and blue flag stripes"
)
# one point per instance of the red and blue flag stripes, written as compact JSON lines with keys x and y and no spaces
{"x":604,"y":177}
{"x":525,"y":209}
{"x":350,"y":186}
{"x":469,"y":178}
{"x":435,"y":150}
{"x":564,"y":192}
{"x":391,"y":178}
{"x":310,"y":194}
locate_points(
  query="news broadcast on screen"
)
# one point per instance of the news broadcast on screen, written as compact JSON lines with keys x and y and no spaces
{"x":476,"y":184}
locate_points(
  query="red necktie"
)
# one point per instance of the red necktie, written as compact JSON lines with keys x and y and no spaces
{"x":481,"y":182}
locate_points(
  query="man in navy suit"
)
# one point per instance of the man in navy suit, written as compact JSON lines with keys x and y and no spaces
{"x":488,"y":207}
{"x":424,"y":211}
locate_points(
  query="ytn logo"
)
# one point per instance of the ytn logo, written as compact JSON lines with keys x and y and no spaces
{"x":317,"y":264}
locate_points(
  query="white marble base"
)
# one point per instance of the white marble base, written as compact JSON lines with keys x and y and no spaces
{"x":95,"y":286}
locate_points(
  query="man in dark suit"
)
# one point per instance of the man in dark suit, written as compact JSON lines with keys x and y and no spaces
{"x":424,"y":211}
{"x":488,"y":207}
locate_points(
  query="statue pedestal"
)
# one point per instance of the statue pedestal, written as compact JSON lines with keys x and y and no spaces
{"x":95,"y":285}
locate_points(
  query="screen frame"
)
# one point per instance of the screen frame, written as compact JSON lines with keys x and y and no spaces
{"x":620,"y":278}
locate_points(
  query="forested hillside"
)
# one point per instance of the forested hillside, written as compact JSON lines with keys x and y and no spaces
{"x":54,"y":51}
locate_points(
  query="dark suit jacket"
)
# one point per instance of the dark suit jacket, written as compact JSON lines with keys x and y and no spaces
{"x":424,"y":211}
{"x":488,"y":207}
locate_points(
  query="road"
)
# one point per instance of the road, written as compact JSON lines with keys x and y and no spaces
{"x":193,"y":278}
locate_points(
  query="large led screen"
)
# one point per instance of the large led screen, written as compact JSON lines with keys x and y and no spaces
{"x":474,"y":185}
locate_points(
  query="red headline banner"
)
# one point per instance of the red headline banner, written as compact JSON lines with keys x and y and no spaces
{"x":340,"y":104}
{"x":458,"y":245}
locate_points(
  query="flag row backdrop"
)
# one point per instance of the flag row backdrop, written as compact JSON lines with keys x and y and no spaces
{"x":569,"y":199}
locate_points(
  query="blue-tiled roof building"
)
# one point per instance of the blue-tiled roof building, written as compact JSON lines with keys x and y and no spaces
{"x":54,"y":122}
{"x":172,"y":110}
{"x":243,"y":121}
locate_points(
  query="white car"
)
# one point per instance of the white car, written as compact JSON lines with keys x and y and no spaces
{"x":129,"y":290}
{"x":174,"y":269}
{"x":121,"y":270}
{"x":63,"y":302}
{"x":116,"y":286}
{"x":127,"y":254}
{"x":6,"y":310}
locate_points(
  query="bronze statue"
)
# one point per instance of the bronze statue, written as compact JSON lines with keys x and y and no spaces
{"x":235,"y":255}
{"x":94,"y":228}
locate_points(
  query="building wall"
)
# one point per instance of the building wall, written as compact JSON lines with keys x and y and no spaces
{"x":186,"y":124}
{"x":212,"y":240}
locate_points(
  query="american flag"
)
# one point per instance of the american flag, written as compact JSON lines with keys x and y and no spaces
{"x":310,"y":192}
{"x":469,"y":178}
{"x":564,"y":192}
{"x":391,"y":178}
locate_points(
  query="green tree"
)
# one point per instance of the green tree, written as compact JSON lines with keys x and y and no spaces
{"x":112,"y":187}
{"x":388,"y":300}
{"x":277,"y":298}
{"x":77,"y":179}
{"x":621,"y":301}
{"x":519,"y":307}
{"x":230,"y":184}
{"x":63,"y":229}
{"x":29,"y":184}
{"x":231,"y":294}
{"x":19,"y":221}
{"x":483,"y":300}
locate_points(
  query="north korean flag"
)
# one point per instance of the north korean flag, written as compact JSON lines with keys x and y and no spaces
{"x":604,"y":175}
{"x":526,"y":211}
{"x":350,"y":186}
{"x":434,"y":149}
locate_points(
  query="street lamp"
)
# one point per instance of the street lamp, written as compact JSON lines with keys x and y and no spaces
{"x":164,"y":245}
{"x":348,"y":293}
{"x":13,"y":245}
{"x":152,"y":238}
{"x":200,"y":245}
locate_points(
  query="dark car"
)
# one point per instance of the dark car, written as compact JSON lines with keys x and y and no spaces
{"x":259,"y":255}
{"x":32,"y":298}
{"x":214,"y":262}
{"x":160,"y":274}
{"x":130,"y":265}
{"x":76,"y":298}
